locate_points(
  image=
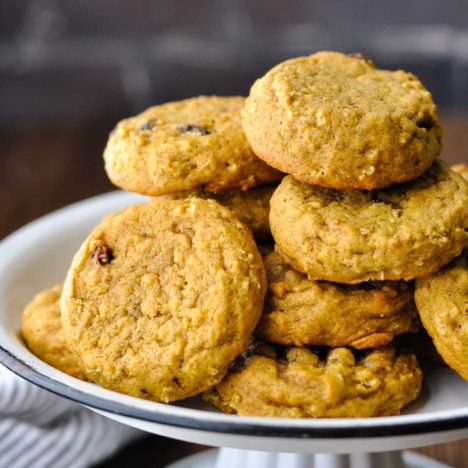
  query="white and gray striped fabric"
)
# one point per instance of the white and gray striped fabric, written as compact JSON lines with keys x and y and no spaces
{"x":41,"y":430}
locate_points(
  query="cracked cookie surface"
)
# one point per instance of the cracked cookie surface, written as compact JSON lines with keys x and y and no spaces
{"x":162,"y":297}
{"x":300,"y":312}
{"x":41,"y":328}
{"x":300,"y":383}
{"x":337,"y":121}
{"x":406,"y":231}
{"x":442,"y":302}
{"x":197,"y":142}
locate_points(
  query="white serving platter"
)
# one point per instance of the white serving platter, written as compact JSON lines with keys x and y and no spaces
{"x":37,"y":256}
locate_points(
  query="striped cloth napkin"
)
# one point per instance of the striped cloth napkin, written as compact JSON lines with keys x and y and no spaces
{"x":40,"y":430}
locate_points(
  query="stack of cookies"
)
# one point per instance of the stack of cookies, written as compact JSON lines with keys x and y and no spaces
{"x":275,"y":300}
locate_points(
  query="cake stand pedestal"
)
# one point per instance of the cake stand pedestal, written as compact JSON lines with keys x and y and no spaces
{"x":236,"y":458}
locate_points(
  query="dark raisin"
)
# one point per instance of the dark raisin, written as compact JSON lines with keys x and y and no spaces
{"x":194,"y":129}
{"x":360,"y":354}
{"x":366,"y":286}
{"x":426,"y":123}
{"x":103,"y":255}
{"x":375,"y":198}
{"x":321,"y":352}
{"x":149,"y":125}
{"x":256,"y":348}
{"x":282,"y":354}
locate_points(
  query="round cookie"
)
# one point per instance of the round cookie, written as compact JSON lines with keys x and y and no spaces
{"x":160,"y":298}
{"x":41,"y":328}
{"x":461,"y":169}
{"x":300,"y":383}
{"x":337,"y":121}
{"x":442,"y":302}
{"x":177,"y":146}
{"x":300,"y":312}
{"x":252,"y":206}
{"x":403,"y":232}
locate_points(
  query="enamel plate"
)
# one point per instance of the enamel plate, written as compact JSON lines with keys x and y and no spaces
{"x":37,"y":256}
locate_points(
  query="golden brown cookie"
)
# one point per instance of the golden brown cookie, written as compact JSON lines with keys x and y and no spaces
{"x":337,"y":121}
{"x":300,"y":312}
{"x":161,"y":298}
{"x":252,"y":207}
{"x":405,"y":231}
{"x":442,"y":302}
{"x":177,"y":146}
{"x":300,"y":383}
{"x":462,"y":169}
{"x":41,"y":328}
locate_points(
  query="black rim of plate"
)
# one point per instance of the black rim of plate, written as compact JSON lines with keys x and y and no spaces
{"x":25,"y":371}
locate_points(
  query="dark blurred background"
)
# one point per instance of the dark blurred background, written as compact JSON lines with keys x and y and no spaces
{"x":70,"y":69}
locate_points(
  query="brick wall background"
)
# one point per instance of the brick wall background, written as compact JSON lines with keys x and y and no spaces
{"x":74,"y":61}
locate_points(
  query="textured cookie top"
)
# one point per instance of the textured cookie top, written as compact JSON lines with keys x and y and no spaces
{"x":300,"y":383}
{"x":337,"y":121}
{"x":405,"y":231}
{"x":442,"y":302}
{"x":302,"y":312}
{"x":162,"y":297}
{"x":252,"y":206}
{"x":41,"y":328}
{"x":196,"y":142}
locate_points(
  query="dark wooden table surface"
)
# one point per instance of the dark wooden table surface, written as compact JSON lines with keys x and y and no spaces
{"x":45,"y":169}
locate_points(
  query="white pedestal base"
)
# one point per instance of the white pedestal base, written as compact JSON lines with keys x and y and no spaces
{"x":235,"y":458}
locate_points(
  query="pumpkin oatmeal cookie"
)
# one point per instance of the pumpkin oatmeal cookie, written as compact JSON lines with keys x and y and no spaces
{"x":182,"y":145}
{"x":442,"y":302}
{"x":337,"y":121}
{"x":252,"y":207}
{"x":41,"y":328}
{"x":334,"y":383}
{"x":300,"y":312}
{"x":406,"y":231}
{"x":162,"y":297}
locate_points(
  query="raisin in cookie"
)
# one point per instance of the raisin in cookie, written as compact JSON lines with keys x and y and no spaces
{"x":405,"y":231}
{"x":300,"y":312}
{"x":162,"y":297}
{"x":41,"y":328}
{"x":252,"y":206}
{"x":300,"y":383}
{"x":337,"y":121}
{"x":177,"y":146}
{"x":442,"y":302}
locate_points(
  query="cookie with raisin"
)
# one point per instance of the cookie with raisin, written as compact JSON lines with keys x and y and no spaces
{"x":160,"y":298}
{"x":197,"y":142}
{"x":405,"y":231}
{"x":313,"y":383}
